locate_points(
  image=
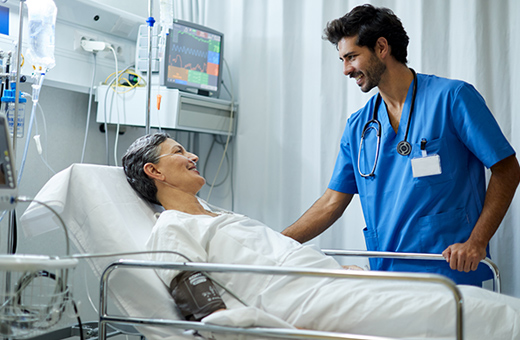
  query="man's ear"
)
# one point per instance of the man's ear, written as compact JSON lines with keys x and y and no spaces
{"x":382,"y":48}
{"x":151,"y":171}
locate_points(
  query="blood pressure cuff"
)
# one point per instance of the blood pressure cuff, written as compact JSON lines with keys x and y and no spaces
{"x":195,"y":295}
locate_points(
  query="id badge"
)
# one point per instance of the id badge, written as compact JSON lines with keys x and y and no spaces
{"x":426,"y":166}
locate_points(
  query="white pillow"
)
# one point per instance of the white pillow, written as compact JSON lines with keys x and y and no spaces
{"x":104,"y":214}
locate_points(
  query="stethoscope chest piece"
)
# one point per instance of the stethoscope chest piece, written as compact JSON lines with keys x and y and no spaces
{"x":404,"y":148}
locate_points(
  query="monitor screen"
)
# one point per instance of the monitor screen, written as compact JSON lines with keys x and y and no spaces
{"x":193,"y":59}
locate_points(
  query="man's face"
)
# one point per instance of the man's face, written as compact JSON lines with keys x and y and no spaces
{"x":360,"y":63}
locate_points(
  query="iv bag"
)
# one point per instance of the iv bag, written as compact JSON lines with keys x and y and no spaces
{"x":166,"y":14}
{"x":42,"y":21}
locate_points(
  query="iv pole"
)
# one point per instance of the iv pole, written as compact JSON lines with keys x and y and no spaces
{"x":150,"y":22}
{"x":12,"y":213}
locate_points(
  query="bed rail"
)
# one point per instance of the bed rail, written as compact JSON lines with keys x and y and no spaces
{"x":105,"y":318}
{"x":412,"y":256}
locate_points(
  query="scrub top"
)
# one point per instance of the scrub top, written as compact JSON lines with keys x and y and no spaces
{"x":424,"y":214}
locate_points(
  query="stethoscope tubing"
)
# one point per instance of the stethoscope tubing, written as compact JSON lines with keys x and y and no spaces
{"x":403,"y":147}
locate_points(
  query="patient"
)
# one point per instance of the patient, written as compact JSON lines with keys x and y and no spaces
{"x":163,"y":172}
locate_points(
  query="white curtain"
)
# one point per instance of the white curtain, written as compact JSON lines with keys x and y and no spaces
{"x":190,"y":10}
{"x":294,"y":99}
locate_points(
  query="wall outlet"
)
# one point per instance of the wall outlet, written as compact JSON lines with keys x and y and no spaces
{"x":120,"y":51}
{"x":79,"y":36}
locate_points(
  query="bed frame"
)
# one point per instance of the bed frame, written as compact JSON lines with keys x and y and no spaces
{"x":96,"y":185}
{"x":105,"y":318}
{"x":413,"y":256}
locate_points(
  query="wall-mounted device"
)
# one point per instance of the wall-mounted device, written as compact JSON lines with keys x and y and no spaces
{"x":192,"y":59}
{"x":179,"y":110}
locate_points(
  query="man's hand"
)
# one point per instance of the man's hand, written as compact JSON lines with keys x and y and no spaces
{"x":464,"y":257}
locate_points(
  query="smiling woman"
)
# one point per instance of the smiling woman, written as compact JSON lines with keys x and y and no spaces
{"x":163,"y":172}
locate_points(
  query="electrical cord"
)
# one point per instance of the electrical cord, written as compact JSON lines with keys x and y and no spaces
{"x":89,"y":108}
{"x":207,"y":162}
{"x":231,"y":119}
{"x":109,"y":86}
{"x":116,"y":141}
{"x":80,"y":325}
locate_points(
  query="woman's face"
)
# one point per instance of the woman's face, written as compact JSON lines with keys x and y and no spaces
{"x":179,"y":167}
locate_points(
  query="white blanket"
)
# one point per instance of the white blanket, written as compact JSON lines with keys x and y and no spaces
{"x":401,"y":310}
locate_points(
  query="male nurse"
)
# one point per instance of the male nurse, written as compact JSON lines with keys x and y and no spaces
{"x":415,"y":154}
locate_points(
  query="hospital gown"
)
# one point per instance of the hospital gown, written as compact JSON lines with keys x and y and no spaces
{"x":407,"y":310}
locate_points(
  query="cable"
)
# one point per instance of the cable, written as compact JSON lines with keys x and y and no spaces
{"x":80,"y":325}
{"x":231,"y":118}
{"x":207,"y":162}
{"x":117,"y":105}
{"x":109,"y":86}
{"x":89,"y":108}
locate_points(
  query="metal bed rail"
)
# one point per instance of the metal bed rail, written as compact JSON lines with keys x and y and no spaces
{"x":411,"y":256}
{"x":105,"y":318}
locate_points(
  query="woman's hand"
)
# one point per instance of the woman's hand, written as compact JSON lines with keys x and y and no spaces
{"x":352,"y":267}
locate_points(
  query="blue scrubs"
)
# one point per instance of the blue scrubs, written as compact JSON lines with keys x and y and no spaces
{"x":426,"y":214}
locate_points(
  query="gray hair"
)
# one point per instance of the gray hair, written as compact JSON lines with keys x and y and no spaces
{"x":144,"y":150}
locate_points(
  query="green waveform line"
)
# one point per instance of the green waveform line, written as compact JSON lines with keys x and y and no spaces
{"x":196,"y":38}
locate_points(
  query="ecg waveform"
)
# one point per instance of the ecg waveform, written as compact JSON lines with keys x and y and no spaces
{"x":177,"y":61}
{"x":191,"y":51}
{"x":197,"y":37}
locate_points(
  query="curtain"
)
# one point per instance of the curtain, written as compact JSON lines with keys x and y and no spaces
{"x":190,"y":10}
{"x":294,"y":100}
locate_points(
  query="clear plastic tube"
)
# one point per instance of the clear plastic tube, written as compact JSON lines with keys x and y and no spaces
{"x":42,"y":21}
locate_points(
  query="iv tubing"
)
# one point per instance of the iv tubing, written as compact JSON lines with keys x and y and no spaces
{"x":35,"y":96}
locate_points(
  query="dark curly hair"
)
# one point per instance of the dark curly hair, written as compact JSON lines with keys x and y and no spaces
{"x":370,"y":23}
{"x":144,"y":150}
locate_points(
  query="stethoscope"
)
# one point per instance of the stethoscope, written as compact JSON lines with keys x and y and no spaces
{"x":404,"y":148}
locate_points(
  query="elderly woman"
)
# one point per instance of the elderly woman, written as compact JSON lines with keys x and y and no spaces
{"x":163,"y":172}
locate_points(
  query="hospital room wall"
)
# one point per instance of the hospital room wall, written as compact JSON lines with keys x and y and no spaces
{"x":290,"y":83}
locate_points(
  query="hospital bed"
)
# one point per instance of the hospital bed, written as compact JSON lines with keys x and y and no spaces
{"x":100,"y":209}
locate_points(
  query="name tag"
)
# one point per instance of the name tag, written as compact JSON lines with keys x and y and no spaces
{"x":426,"y":166}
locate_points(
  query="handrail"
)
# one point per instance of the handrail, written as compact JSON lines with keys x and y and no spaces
{"x":412,"y":256}
{"x":104,"y":318}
